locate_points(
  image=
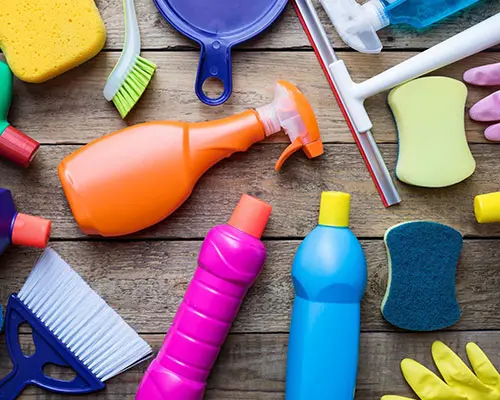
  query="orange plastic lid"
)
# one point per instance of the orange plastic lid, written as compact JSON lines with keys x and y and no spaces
{"x":251,"y":216}
{"x":31,"y":231}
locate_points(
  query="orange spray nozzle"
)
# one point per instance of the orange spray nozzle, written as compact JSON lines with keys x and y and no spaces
{"x":291,"y":112}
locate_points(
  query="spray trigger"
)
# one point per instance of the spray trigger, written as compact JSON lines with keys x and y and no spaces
{"x":295,"y":146}
{"x":291,"y":112}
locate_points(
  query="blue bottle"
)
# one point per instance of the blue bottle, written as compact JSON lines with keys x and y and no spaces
{"x":358,"y":24}
{"x":329,"y":276}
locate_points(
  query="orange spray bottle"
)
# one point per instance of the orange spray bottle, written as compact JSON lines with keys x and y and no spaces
{"x":136,"y":177}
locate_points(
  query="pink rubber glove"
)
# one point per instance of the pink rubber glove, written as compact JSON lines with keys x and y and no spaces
{"x":488,"y":109}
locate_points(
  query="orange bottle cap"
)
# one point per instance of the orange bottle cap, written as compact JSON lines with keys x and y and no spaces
{"x":251,"y":216}
{"x":31,"y":231}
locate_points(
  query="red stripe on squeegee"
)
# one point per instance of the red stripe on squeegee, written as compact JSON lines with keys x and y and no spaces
{"x":341,"y":105}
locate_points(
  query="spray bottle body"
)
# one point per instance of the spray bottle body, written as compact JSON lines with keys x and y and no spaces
{"x":136,"y":177}
{"x":230,"y":261}
{"x":358,"y":24}
{"x":14,"y":144}
{"x":329,"y":276}
{"x":422,"y":14}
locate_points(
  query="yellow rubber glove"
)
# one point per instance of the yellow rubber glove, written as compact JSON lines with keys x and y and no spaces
{"x":460,"y":383}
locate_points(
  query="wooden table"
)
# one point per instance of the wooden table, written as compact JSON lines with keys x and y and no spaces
{"x":144,"y":277}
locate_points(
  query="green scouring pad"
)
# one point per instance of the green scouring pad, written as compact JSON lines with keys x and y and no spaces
{"x":423,"y":258}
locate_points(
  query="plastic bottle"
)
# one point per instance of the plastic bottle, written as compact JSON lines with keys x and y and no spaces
{"x":14,"y":145}
{"x":134,"y":178}
{"x":20,"y":229}
{"x":358,"y":24}
{"x":329,"y":276}
{"x":231,"y":258}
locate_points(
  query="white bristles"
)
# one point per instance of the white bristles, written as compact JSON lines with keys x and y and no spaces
{"x":82,"y":320}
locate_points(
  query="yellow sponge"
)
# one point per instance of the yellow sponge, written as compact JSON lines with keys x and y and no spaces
{"x":44,"y":38}
{"x":433,"y":148}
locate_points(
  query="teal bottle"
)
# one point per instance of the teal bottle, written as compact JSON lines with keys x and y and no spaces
{"x":358,"y":24}
{"x":418,"y":13}
{"x":329,"y":276}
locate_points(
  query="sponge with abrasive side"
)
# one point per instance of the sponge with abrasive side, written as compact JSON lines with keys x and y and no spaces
{"x":420,"y":294}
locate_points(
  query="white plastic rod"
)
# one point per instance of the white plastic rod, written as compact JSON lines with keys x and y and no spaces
{"x":471,"y":41}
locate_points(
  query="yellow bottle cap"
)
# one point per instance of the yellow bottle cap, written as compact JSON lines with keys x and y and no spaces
{"x":487,"y":208}
{"x":335,"y":209}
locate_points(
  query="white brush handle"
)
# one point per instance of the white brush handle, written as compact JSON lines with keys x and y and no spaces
{"x":131,"y":50}
{"x":471,"y":41}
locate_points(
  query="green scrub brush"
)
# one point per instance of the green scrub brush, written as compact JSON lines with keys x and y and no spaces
{"x":132,"y":74}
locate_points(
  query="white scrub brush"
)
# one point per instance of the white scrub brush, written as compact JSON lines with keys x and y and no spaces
{"x":132,"y":74}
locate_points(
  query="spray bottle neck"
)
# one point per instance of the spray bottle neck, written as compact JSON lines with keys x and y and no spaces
{"x":291,"y":112}
{"x":269,"y":118}
{"x":376,"y":14}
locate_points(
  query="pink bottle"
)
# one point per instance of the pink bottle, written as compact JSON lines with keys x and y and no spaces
{"x":231,"y":258}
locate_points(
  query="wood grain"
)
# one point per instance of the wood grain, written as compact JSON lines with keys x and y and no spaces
{"x":145,"y":282}
{"x":71,"y":108}
{"x":254,"y":366}
{"x":298,"y":187}
{"x":145,"y":276}
{"x":285,"y":33}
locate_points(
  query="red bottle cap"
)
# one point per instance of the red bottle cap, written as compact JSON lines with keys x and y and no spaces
{"x":31,"y":231}
{"x":251,"y":216}
{"x":18,"y":147}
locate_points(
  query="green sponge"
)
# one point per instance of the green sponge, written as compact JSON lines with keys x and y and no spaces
{"x":422,"y":263}
{"x":433,"y":148}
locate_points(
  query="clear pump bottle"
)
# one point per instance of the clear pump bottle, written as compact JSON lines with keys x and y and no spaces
{"x":358,"y":24}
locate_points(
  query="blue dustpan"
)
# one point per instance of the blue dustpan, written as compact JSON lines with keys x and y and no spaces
{"x":28,"y":370}
{"x":218,"y":25}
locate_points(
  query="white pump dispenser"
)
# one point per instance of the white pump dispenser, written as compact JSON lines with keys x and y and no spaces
{"x":358,"y":24}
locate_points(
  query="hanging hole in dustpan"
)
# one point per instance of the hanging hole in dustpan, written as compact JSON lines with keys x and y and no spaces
{"x":25,"y":336}
{"x":53,"y":371}
{"x":213,"y":87}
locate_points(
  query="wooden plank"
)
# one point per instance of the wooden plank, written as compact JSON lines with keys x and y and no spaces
{"x":71,"y":108}
{"x":285,"y":33}
{"x":145,"y":282}
{"x":254,"y":366}
{"x":298,"y":187}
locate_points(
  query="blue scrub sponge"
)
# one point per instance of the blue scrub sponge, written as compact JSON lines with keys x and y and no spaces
{"x":423,"y":257}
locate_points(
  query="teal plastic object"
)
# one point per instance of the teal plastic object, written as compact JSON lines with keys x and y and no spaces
{"x":329,"y":276}
{"x":358,"y":24}
{"x":423,"y":13}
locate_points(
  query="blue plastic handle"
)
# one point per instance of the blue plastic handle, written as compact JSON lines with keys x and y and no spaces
{"x":215,"y":62}
{"x":28,"y":370}
{"x":218,"y":25}
{"x":323,"y":351}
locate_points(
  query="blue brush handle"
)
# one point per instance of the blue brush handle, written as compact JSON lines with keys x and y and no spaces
{"x":323,"y":351}
{"x":215,"y":62}
{"x":28,"y":370}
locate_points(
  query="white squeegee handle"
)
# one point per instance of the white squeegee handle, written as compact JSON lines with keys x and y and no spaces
{"x":364,"y":139}
{"x":467,"y":43}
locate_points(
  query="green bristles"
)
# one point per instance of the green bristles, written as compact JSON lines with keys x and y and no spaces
{"x":134,"y":85}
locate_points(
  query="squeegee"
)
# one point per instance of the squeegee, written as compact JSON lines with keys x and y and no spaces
{"x":351,"y":96}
